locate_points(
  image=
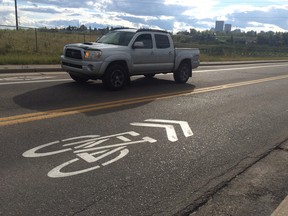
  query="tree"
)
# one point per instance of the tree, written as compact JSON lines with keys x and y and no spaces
{"x":83,"y":28}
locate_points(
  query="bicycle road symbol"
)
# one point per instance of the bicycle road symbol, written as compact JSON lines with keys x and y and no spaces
{"x":92,"y":149}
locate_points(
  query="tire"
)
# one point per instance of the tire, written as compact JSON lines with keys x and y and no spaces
{"x":115,"y":77}
{"x":149,"y":76}
{"x":183,"y":73}
{"x":78,"y":79}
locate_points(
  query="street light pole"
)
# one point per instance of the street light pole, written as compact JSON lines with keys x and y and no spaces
{"x":16,"y":15}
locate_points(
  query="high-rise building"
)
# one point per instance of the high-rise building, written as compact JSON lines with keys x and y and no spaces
{"x":227,"y":27}
{"x":219,"y":26}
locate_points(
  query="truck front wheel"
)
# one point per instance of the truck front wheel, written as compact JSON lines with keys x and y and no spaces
{"x":115,"y":77}
{"x":182,"y":74}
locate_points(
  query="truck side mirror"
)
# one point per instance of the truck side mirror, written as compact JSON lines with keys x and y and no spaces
{"x":138,"y":44}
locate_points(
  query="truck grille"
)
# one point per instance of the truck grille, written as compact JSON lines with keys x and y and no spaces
{"x":72,"y":53}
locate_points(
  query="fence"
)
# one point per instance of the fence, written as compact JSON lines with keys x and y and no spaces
{"x":41,"y":40}
{"x":41,"y":45}
{"x":38,"y":45}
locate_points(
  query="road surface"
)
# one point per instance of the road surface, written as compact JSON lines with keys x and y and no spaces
{"x":154,"y":148}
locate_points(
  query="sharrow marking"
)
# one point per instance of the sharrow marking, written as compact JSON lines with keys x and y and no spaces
{"x":170,"y":130}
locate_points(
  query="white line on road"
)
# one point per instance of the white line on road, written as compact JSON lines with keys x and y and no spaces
{"x":38,"y":81}
{"x":25,"y":78}
{"x":194,"y":71}
{"x":242,"y":68}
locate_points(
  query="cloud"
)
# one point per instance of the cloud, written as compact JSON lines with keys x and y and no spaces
{"x":165,"y":14}
{"x":255,"y":26}
{"x":272,"y":17}
{"x":61,"y":4}
{"x":145,"y":8}
{"x":41,"y":10}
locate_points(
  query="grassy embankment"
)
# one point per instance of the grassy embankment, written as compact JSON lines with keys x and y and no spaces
{"x":30,"y":47}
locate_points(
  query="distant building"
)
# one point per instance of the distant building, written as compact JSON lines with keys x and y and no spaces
{"x":219,"y":26}
{"x":237,"y":31}
{"x":227,"y":27}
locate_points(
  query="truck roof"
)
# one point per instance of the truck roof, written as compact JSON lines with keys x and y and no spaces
{"x":139,"y":30}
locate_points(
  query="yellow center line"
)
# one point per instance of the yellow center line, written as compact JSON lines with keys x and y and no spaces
{"x":11,"y":120}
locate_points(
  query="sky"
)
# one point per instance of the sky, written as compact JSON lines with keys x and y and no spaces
{"x":170,"y":15}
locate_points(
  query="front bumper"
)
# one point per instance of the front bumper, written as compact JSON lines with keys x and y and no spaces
{"x":83,"y":67}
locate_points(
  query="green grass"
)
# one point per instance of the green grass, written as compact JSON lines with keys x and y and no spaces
{"x":23,"y":59}
{"x":45,"y":47}
{"x":30,"y":47}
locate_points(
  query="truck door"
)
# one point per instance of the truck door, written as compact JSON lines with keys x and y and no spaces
{"x":164,"y":53}
{"x":143,"y":57}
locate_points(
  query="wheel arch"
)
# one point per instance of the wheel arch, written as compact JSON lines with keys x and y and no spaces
{"x":123,"y":63}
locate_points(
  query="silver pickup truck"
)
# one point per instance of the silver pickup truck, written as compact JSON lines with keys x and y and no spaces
{"x":127,"y":52}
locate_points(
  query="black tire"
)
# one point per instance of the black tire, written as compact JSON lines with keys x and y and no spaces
{"x":78,"y":79}
{"x":183,"y":73}
{"x":149,"y":76}
{"x":115,"y":77}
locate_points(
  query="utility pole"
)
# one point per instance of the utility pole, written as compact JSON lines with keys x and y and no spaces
{"x":16,"y":15}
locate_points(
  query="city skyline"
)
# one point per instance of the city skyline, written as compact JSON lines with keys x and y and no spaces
{"x":221,"y":26}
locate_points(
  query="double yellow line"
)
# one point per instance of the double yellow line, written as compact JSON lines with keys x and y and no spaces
{"x":18,"y":119}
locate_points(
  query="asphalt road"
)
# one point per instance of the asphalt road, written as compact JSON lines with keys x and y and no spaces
{"x":153,"y":148}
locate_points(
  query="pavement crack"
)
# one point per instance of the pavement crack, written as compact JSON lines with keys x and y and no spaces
{"x":86,"y":207}
{"x":243,"y":165}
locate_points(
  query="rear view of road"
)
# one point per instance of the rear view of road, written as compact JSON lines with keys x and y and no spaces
{"x":154,"y":148}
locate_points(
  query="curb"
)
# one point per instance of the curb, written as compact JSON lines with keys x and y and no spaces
{"x":282,"y":209}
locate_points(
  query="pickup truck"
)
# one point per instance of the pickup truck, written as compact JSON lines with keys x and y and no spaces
{"x":122,"y":53}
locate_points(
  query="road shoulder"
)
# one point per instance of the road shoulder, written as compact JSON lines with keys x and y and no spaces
{"x":257,"y":191}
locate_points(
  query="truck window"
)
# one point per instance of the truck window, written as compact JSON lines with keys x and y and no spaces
{"x":121,"y":38}
{"x":162,"y":41}
{"x":146,"y":39}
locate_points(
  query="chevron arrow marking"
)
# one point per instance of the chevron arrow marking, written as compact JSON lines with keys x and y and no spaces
{"x":184,"y":125}
{"x":170,"y":130}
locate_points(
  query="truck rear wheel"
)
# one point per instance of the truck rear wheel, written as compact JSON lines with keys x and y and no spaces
{"x":182,"y":74}
{"x":115,"y":77}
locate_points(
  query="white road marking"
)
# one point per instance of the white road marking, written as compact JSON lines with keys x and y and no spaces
{"x":58,"y":173}
{"x":184,"y":125}
{"x":198,"y":70}
{"x":170,"y":130}
{"x":25,"y":78}
{"x":144,"y":139}
{"x":97,"y":137}
{"x":90,"y":152}
{"x":241,"y":68}
{"x":38,"y":81}
{"x":102,"y":156}
{"x":32,"y":152}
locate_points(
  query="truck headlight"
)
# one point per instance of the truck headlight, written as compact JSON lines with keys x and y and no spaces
{"x":64,"y":50}
{"x":92,"y":54}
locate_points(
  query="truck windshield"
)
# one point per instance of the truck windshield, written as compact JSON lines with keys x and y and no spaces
{"x":120,"y":38}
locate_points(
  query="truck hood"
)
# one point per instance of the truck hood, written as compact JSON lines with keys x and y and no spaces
{"x":92,"y":45}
